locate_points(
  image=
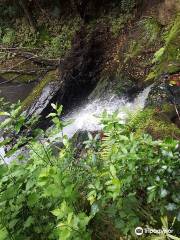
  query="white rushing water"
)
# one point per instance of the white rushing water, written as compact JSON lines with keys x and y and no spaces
{"x":86,"y":117}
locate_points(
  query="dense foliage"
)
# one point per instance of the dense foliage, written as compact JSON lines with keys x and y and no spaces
{"x":118,"y":182}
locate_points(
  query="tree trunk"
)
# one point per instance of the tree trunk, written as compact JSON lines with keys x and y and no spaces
{"x":28,"y":15}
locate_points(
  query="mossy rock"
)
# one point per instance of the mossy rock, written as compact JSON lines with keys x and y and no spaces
{"x":167,"y":58}
{"x":101,"y":89}
{"x":118,"y":84}
{"x":154,"y":122}
{"x":164,"y":92}
{"x":49,"y":77}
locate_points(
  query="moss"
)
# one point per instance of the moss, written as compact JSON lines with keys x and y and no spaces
{"x":50,"y":76}
{"x":167,"y":58}
{"x":154,"y":122}
{"x":115,"y":20}
{"x":148,"y":31}
{"x":52,"y":39}
{"x":124,"y":84}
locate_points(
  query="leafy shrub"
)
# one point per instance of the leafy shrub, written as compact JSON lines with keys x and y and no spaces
{"x":61,"y":43}
{"x":25,"y":37}
{"x":8,"y":36}
{"x":120,"y":180}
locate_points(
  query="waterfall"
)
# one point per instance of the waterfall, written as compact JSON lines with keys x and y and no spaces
{"x":86,"y":118}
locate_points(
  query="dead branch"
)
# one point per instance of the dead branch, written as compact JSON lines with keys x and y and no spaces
{"x":27,"y":72}
{"x":33,"y":57}
{"x":2,"y":48}
{"x":39,"y":60}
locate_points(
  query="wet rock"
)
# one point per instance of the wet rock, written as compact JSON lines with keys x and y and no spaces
{"x":78,"y":140}
{"x":77,"y":143}
{"x":163,"y":92}
{"x":43,"y":99}
{"x":166,"y":97}
{"x":56,"y":147}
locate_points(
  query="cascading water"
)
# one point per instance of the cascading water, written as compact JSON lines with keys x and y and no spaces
{"x":86,"y":118}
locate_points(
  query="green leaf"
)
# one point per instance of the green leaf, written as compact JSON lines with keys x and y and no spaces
{"x":28,"y":222}
{"x":158,"y":55}
{"x":3,"y":234}
{"x":178,"y":216}
{"x":57,"y":212}
{"x":33,"y":199}
{"x":163,"y":193}
{"x":12,"y":223}
{"x":65,"y":232}
{"x":51,"y":115}
{"x":113,"y":170}
{"x":171,"y":207}
{"x":4,"y":114}
{"x":54,"y":106}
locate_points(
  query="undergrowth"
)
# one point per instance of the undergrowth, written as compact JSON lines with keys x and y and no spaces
{"x":119,"y":182}
{"x":49,"y":41}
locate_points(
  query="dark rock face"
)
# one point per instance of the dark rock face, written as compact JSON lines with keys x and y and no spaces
{"x":80,"y":70}
{"x":166,"y":92}
{"x":43,"y":100}
{"x":158,"y":95}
